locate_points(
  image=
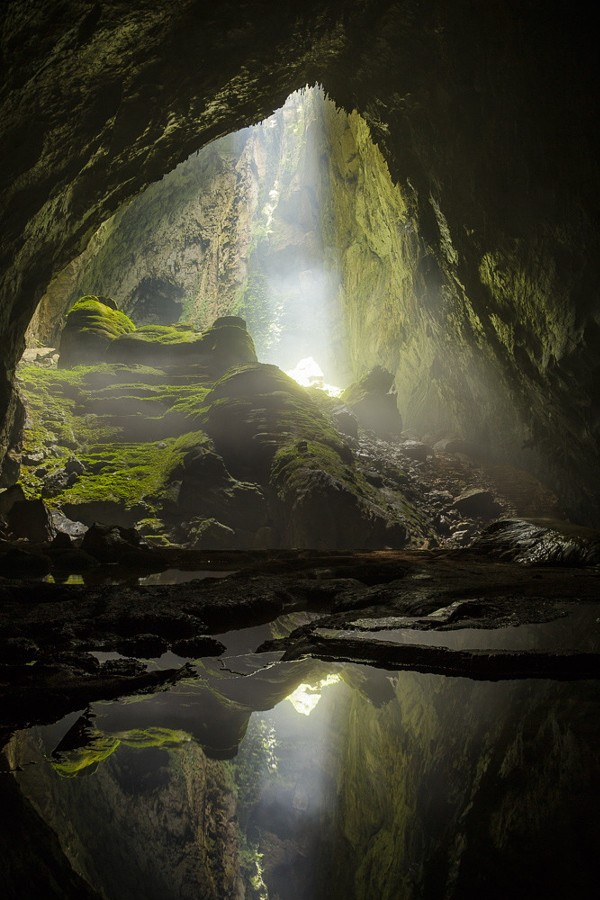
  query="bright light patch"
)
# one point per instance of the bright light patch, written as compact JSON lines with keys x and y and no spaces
{"x":306,"y":696}
{"x":309,"y":373}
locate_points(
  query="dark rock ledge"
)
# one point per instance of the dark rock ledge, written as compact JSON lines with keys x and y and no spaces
{"x":47,"y":631}
{"x":481,"y":665}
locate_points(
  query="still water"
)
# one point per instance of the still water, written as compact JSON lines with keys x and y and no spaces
{"x":257,"y":778}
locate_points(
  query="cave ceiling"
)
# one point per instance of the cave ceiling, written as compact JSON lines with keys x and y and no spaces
{"x":485,"y":113}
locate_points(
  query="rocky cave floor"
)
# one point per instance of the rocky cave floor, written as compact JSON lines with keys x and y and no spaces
{"x":483,"y":573}
{"x":482,"y":549}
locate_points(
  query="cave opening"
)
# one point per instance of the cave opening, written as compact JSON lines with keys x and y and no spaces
{"x":261,"y":224}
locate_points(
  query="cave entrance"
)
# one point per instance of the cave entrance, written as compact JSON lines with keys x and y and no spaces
{"x":246,"y":226}
{"x":293,"y":224}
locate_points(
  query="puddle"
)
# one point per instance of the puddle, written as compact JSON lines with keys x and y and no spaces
{"x":180,"y":576}
{"x":106,"y":576}
{"x":288,"y":781}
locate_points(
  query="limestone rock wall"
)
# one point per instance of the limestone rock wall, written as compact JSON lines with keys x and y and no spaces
{"x":184,"y":238}
{"x":454,"y":789}
{"x":166,"y":826}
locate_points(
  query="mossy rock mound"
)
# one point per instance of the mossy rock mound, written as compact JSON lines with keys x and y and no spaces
{"x":225,"y":344}
{"x":254,"y":410}
{"x":326,"y":504}
{"x":207,"y":490}
{"x":268,"y":429}
{"x":373,"y":401}
{"x":92,"y":324}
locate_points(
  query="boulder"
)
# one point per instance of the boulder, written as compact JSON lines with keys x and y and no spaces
{"x":31,"y":520}
{"x":477,"y":502}
{"x":9,"y":497}
{"x":92,"y":324}
{"x":456,"y":446}
{"x":373,"y":401}
{"x":63,"y":525}
{"x":540,"y":542}
{"x":416,"y":450}
{"x":10,"y":469}
{"x":345,"y":422}
{"x":210,"y":534}
{"x":113,"y":543}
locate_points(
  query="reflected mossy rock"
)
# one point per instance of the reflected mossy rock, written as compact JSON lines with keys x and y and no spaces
{"x":226,"y":343}
{"x":373,"y":401}
{"x":93,"y":323}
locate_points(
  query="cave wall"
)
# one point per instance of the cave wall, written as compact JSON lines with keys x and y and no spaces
{"x":485,"y":114}
{"x":176,"y":252}
{"x":461,"y":789}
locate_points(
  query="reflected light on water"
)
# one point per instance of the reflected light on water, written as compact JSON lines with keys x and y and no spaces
{"x":306,"y":696}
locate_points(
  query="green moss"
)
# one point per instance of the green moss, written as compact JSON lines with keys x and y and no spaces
{"x":165,"y":334}
{"x":81,"y":759}
{"x":217,"y":348}
{"x":102,"y":746}
{"x":90,"y":314}
{"x":297,"y":463}
{"x":91,"y":326}
{"x":129,"y":474}
{"x":255,"y":410}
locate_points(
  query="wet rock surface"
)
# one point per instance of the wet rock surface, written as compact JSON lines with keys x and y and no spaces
{"x":47,"y":630}
{"x":240,"y":472}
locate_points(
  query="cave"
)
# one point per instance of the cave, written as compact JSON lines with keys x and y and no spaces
{"x":299,"y":430}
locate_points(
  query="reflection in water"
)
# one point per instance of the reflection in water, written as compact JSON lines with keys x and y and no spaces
{"x":113,"y":574}
{"x":180,"y":576}
{"x":397,"y":785}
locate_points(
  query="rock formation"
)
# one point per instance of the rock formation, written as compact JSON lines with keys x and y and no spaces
{"x":484,"y":117}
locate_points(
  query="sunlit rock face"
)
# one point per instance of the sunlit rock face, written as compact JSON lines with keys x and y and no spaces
{"x":485,"y":117}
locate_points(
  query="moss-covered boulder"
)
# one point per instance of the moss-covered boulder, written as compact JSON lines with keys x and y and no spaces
{"x":92,"y":324}
{"x":226,"y":343}
{"x":373,"y":401}
{"x":254,"y":410}
{"x":268,"y":429}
